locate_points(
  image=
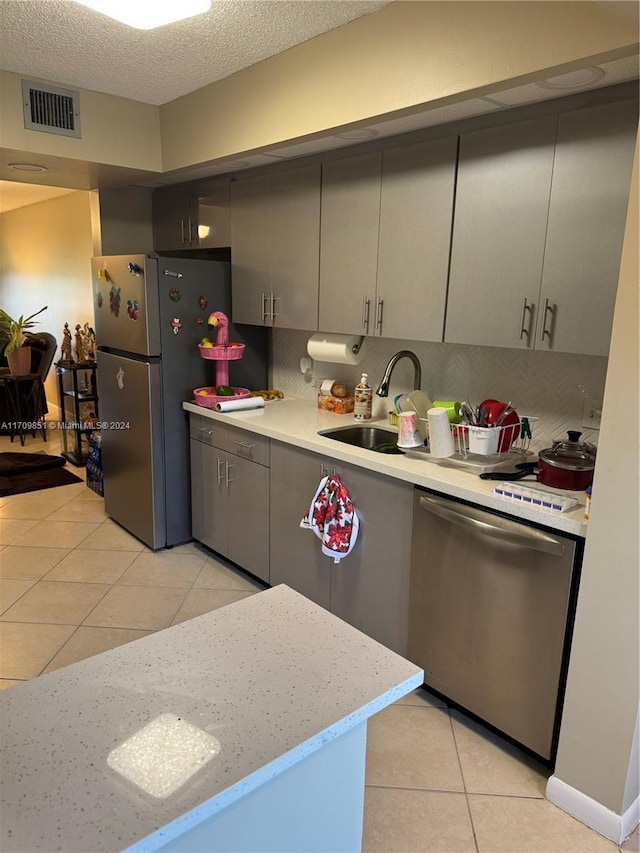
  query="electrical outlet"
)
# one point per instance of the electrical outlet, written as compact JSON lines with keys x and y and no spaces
{"x":592,"y":413}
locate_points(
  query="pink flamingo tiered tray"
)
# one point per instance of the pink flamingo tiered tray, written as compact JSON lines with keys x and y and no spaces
{"x":222,"y":352}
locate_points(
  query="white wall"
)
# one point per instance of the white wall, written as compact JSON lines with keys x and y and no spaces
{"x":45,"y":252}
{"x":598,"y":735}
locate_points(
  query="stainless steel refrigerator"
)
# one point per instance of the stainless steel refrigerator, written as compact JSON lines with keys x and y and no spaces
{"x":150,"y":313}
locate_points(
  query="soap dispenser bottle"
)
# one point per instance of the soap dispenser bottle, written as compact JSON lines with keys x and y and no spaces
{"x":363,"y":399}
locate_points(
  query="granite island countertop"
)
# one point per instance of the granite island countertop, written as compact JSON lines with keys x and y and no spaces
{"x":270,"y":679}
{"x":298,"y":422}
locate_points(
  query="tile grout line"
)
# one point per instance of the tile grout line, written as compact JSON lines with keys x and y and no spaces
{"x":464,"y":782}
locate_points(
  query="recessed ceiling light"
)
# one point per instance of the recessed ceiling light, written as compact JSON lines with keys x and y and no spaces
{"x":358,"y":133}
{"x":27,"y":167}
{"x":573,"y":80}
{"x":148,"y":14}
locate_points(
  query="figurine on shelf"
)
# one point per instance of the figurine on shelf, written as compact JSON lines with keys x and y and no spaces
{"x":89,"y":337}
{"x":65,"y":346}
{"x":81,"y":356}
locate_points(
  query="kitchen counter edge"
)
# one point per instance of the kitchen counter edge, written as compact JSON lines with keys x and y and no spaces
{"x":297,"y":422}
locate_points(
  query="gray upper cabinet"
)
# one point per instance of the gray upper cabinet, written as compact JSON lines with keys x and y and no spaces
{"x":384,"y":251}
{"x":210,"y":207}
{"x":587,"y":215}
{"x":539,"y":221}
{"x":416,"y":209}
{"x":275,"y":237}
{"x":349,"y":244}
{"x":251,"y":249}
{"x":500,"y":222}
{"x":192,"y":216}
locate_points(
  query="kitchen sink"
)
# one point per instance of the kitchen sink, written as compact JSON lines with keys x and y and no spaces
{"x":369,"y":437}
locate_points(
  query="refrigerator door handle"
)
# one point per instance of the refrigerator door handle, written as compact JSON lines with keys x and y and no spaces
{"x":510,"y":533}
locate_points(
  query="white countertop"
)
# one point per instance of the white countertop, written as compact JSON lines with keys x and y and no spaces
{"x":272,"y":678}
{"x":297,"y":422}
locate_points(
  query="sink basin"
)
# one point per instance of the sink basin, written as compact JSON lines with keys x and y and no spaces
{"x":369,"y":437}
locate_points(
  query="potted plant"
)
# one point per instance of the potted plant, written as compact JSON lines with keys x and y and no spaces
{"x":12,"y":335}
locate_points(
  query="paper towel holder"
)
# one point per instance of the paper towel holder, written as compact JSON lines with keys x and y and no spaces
{"x":338,"y":348}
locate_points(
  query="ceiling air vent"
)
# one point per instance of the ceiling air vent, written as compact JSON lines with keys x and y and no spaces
{"x":50,"y":109}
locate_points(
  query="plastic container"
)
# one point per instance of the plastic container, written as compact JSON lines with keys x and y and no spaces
{"x":363,"y":400}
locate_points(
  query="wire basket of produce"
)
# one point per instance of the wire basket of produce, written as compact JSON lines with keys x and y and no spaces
{"x":222,"y":352}
{"x":208,"y":397}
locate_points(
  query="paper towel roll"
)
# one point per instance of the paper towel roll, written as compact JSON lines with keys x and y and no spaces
{"x":339,"y":349}
{"x":440,"y":438}
{"x":239,"y":405}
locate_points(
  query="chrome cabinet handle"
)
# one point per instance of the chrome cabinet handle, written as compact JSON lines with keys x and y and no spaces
{"x":182,"y":231}
{"x":227,"y":478}
{"x":264,"y":310}
{"x":525,"y":329}
{"x":190,"y":232}
{"x":546,"y":311}
{"x":220,"y":464}
{"x":379,"y":315}
{"x":366,"y":307}
{"x":274,"y":299}
{"x":244,"y":445}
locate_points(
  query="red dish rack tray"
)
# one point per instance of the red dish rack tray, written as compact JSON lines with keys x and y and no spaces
{"x":210,"y":398}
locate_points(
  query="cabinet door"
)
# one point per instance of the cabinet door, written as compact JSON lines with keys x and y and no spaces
{"x":210,"y":212}
{"x":295,"y":247}
{"x":173,"y":227}
{"x":587,"y":215}
{"x":370,"y":587}
{"x":350,"y":215}
{"x":209,"y":505}
{"x":416,"y":211}
{"x":251,"y":250}
{"x":500,"y":221}
{"x":248,"y":515}
{"x":296,"y":558}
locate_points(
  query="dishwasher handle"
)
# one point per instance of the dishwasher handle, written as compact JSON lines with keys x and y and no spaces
{"x":501,"y":529}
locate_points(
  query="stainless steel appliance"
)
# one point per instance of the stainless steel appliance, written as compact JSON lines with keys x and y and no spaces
{"x":150,"y":314}
{"x":491,"y":615}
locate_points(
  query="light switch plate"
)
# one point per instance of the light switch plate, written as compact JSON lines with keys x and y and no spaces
{"x":592,"y":413}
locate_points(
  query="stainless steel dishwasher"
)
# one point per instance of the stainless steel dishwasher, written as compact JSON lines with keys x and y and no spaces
{"x":491,"y":611}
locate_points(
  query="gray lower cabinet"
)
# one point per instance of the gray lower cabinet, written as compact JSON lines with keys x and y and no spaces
{"x":539,"y":221}
{"x":275,"y":239}
{"x":230,"y":494}
{"x":369,"y":589}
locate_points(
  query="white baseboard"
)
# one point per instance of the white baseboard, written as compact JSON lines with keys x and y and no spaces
{"x":613,"y":826}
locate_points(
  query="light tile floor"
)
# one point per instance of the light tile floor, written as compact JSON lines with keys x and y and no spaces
{"x":73,"y":584}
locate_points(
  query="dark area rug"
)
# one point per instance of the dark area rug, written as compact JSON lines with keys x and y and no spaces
{"x":30,"y":472}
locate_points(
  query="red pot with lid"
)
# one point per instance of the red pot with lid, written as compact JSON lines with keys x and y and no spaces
{"x":568,"y":464}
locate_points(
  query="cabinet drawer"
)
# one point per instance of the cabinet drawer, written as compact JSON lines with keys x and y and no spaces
{"x":207,"y":431}
{"x":248,"y":445}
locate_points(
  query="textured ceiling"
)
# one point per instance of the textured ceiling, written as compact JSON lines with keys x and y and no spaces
{"x":63,"y":42}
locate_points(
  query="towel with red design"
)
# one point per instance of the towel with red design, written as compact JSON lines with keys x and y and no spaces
{"x":332,"y":518}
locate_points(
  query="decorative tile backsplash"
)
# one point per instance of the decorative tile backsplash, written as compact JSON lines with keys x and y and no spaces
{"x":549,"y":386}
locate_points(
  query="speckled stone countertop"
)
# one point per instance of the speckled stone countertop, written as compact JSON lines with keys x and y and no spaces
{"x":271,"y":679}
{"x":298,"y":421}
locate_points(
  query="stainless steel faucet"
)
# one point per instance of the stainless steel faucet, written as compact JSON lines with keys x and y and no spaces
{"x":383,"y":388}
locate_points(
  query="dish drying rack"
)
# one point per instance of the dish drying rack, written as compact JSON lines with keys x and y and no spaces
{"x":482,"y":463}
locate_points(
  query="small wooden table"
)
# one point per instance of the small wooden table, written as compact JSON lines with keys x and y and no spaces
{"x":24,"y":396}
